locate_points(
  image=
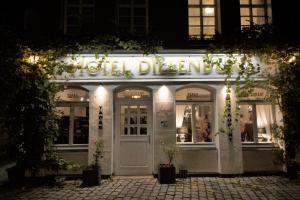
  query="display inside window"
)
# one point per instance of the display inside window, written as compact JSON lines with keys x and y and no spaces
{"x":193,"y":115}
{"x":74,"y":112}
{"x":81,"y":125}
{"x":256,"y":122}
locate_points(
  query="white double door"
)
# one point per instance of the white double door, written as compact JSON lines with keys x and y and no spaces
{"x":133,"y":137}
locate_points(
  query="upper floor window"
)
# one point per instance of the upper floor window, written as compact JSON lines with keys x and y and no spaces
{"x":132,"y":16}
{"x":255,"y":12}
{"x":194,"y":115}
{"x":79,"y":16}
{"x":202,"y":19}
{"x":73,"y":106}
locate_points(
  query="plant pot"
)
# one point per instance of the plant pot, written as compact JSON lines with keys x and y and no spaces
{"x":166,"y":174}
{"x":91,"y":177}
{"x":15,"y":175}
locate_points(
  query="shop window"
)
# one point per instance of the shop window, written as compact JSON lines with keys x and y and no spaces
{"x":257,"y":118}
{"x":255,"y":12}
{"x":132,"y":16}
{"x":73,"y":106}
{"x":202,"y":19}
{"x":79,"y":16}
{"x":194,"y":115}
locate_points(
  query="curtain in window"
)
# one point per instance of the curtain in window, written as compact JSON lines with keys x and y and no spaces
{"x":264,"y":118}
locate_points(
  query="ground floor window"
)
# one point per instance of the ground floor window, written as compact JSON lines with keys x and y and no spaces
{"x":73,"y":106}
{"x":194,"y":119}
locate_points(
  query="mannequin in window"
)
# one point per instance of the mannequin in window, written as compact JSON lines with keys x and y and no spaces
{"x":242,"y":127}
{"x":202,"y":129}
{"x":187,"y":123}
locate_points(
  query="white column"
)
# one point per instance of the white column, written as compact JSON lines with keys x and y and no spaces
{"x":230,"y":160}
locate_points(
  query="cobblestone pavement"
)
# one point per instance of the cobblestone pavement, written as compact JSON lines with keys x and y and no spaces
{"x":262,"y":187}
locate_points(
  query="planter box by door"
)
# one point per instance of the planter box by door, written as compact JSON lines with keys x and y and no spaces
{"x":166,"y":174}
{"x":91,"y":177}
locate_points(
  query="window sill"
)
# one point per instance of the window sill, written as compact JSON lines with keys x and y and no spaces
{"x":67,"y":147}
{"x":258,"y":146}
{"x":204,"y":146}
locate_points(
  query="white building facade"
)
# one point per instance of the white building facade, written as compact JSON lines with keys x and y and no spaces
{"x":136,"y":105}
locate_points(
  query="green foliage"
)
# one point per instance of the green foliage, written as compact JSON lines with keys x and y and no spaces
{"x":98,"y":153}
{"x":170,"y":150}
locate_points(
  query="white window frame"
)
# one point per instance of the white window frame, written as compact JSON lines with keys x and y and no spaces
{"x":254,"y":103}
{"x":194,"y":103}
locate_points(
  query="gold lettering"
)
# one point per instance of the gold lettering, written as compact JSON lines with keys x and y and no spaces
{"x":207,"y":68}
{"x":195,"y":66}
{"x":144,"y":67}
{"x":114,"y":68}
{"x":181,"y":67}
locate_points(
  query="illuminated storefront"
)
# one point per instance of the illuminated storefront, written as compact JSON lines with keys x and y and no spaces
{"x":135,"y":104}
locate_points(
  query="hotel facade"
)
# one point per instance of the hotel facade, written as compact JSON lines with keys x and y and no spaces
{"x":137,"y":114}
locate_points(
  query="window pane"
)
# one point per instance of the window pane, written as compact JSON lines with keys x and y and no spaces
{"x":258,"y":2}
{"x":258,"y":11}
{"x":209,"y":31}
{"x":208,"y":2}
{"x":63,"y":125}
{"x":194,"y":21}
{"x":143,"y":119}
{"x":143,"y":131}
{"x":81,"y":125}
{"x":246,"y":123}
{"x":245,"y":21}
{"x":244,"y":2}
{"x":194,"y":2}
{"x":139,"y":12}
{"x":194,"y":11}
{"x":184,"y":123}
{"x":208,"y":21}
{"x":245,"y":12}
{"x":259,"y":20}
{"x":209,"y":11}
{"x":194,"y":31}
{"x":203,"y":123}
{"x":125,"y":12}
{"x":264,"y":122}
{"x":133,"y":130}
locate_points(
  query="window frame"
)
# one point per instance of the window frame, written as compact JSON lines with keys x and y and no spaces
{"x":193,"y":104}
{"x":201,"y":17}
{"x":254,"y":103}
{"x":71,"y":104}
{"x":133,"y":25}
{"x":80,"y":5}
{"x":267,"y":16}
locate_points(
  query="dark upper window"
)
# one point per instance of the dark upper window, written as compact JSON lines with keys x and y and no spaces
{"x":255,"y":12}
{"x":202,"y":19}
{"x":79,"y":16}
{"x":132,"y":17}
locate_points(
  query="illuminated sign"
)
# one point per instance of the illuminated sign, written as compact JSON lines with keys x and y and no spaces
{"x":177,"y":66}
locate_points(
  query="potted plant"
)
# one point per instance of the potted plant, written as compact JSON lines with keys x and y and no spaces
{"x":167,"y":172}
{"x":91,"y":175}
